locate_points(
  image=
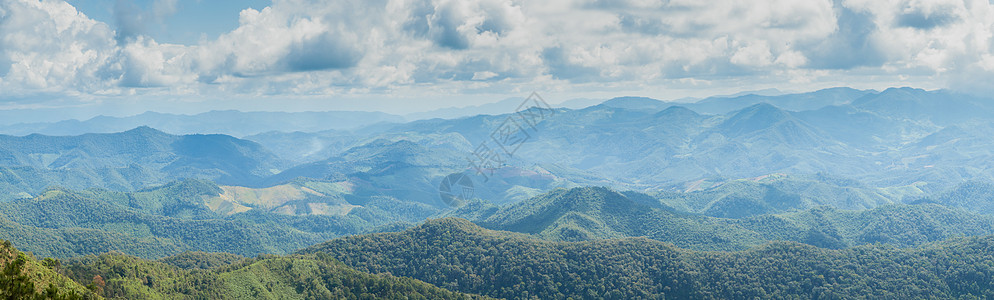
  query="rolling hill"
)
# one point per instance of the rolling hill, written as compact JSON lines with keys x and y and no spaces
{"x":24,"y":277}
{"x":263,"y":277}
{"x":592,"y":213}
{"x":179,"y":216}
{"x":458,"y":255}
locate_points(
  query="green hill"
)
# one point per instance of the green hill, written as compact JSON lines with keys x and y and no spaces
{"x":166,"y":220}
{"x":458,"y":255}
{"x":779,"y":193}
{"x":597,"y":213}
{"x":24,"y":277}
{"x":265,"y":277}
{"x":973,"y":196}
{"x":594,"y":213}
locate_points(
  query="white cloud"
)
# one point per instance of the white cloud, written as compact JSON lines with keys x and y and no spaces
{"x":755,"y":55}
{"x":309,"y":47}
{"x":484,"y":75}
{"x":48,"y":45}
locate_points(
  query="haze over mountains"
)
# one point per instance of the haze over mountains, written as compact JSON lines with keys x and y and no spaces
{"x":842,"y":174}
{"x":883,"y":147}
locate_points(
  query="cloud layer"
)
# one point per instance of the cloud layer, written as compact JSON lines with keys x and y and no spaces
{"x":304,"y":47}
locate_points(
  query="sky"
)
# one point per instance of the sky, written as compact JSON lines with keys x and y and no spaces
{"x":116,"y":57}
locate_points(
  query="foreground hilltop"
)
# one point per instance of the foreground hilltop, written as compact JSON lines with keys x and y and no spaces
{"x":458,"y":255}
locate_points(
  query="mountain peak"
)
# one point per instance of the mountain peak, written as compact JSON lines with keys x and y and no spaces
{"x":635,"y":103}
{"x":903,"y":90}
{"x":677,"y":111}
{"x":752,"y":118}
{"x":448,"y":226}
{"x":145,"y":130}
{"x":578,"y":199}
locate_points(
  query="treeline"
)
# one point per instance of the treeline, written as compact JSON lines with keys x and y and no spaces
{"x":23,"y":277}
{"x":318,"y":276}
{"x":592,"y":213}
{"x":166,"y":220}
{"x":458,"y":255}
{"x":120,"y":276}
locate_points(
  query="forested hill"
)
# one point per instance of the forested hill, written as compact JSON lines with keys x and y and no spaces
{"x":24,"y":277}
{"x":458,"y":255}
{"x":225,"y":276}
{"x":194,"y":215}
{"x":592,"y":213}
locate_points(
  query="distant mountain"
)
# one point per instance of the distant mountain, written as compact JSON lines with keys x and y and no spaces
{"x":645,"y":144}
{"x":974,"y":196}
{"x":779,"y":193}
{"x":642,"y":143}
{"x":940,"y":107}
{"x":413,"y":170}
{"x":578,"y":103}
{"x":505,"y":106}
{"x":791,"y":102}
{"x":730,"y":103}
{"x":461,"y":256}
{"x":128,"y":160}
{"x":230,"y":122}
{"x":638,"y":143}
{"x":763,"y":92}
{"x":864,"y":129}
{"x":636,"y":103}
{"x":306,"y":147}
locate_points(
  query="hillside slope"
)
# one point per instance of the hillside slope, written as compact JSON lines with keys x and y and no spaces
{"x":23,"y":277}
{"x":461,"y":256}
{"x":265,"y":277}
{"x":594,"y":213}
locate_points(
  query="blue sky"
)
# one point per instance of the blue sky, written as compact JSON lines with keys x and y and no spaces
{"x":399,"y":56}
{"x":173,"y":21}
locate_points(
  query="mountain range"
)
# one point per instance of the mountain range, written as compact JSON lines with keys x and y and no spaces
{"x":837,"y":193}
{"x":230,"y":122}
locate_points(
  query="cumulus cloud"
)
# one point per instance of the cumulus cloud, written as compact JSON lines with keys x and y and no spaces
{"x":48,"y":45}
{"x":312,"y":47}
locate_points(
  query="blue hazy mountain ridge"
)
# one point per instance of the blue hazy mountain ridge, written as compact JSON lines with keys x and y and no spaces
{"x":791,"y":102}
{"x":129,"y":160}
{"x":863,"y":142}
{"x":641,"y":149}
{"x":675,"y":147}
{"x":939,"y":107}
{"x":593,"y":213}
{"x":495,"y":108}
{"x":726,"y":104}
{"x":410,"y":169}
{"x":896,"y":178}
{"x":230,"y":122}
